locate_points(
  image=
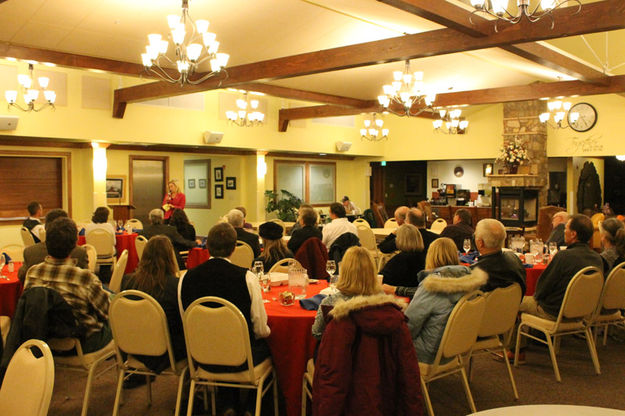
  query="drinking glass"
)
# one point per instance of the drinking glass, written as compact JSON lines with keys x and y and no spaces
{"x":331,"y":267}
{"x":265,"y":283}
{"x":2,"y":263}
{"x":553,"y":248}
{"x":298,"y":282}
{"x":258,"y":268}
{"x":466,"y":245}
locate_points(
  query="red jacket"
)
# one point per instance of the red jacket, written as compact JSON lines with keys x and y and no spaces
{"x":313,"y":255}
{"x":366,"y":363}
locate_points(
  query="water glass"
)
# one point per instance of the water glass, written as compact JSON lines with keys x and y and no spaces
{"x":265,"y":282}
{"x":120,"y":225}
{"x":553,"y":248}
{"x":331,"y":267}
{"x":298,"y":282}
{"x":258,"y":268}
{"x":466,"y":245}
{"x":2,"y":263}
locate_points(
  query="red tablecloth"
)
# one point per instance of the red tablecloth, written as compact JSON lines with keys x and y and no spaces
{"x":196,"y":257}
{"x":291,"y":343}
{"x":531,"y":277}
{"x":10,"y":291}
{"x":123,"y":242}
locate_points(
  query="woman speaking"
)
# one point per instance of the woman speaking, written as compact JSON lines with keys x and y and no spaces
{"x":173,"y":200}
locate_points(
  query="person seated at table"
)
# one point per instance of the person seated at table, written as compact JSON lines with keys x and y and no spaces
{"x":339,"y":225}
{"x":308,"y":228}
{"x":403,"y":268}
{"x":613,"y":242}
{"x":219,"y":277}
{"x":358,"y":277}
{"x":236,"y":219}
{"x":81,"y":289}
{"x":366,"y":363}
{"x":350,"y":207}
{"x":558,"y":221}
{"x":157,"y":227}
{"x":437,"y":295}
{"x":245,"y":223}
{"x":156,"y":276}
{"x":99,"y":221}
{"x":37,"y":253}
{"x":388,"y":244}
{"x":180,"y":221}
{"x":33,"y":223}
{"x":503,"y":267}
{"x":274,"y":248}
{"x":298,"y":225}
{"x":461,"y":229}
{"x":416,"y":217}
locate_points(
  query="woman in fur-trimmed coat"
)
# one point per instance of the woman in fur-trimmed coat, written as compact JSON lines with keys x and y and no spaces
{"x":366,"y":363}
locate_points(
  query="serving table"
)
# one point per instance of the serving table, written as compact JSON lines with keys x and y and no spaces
{"x":10,"y":290}
{"x":123,"y":241}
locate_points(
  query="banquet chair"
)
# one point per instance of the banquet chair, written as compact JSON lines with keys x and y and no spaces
{"x":611,"y":302}
{"x":359,"y":221}
{"x":134,"y":224}
{"x":502,"y":308}
{"x":140,"y":243}
{"x":29,"y":381}
{"x":438,"y":225}
{"x":595,"y":241}
{"x":307,"y":384}
{"x":228,"y":345}
{"x":5,"y":326}
{"x":42,"y":235}
{"x":27,"y":237}
{"x":81,"y":362}
{"x":243,"y":255}
{"x":15,"y":252}
{"x":580,"y":300}
{"x":92,"y":257}
{"x":101,"y":240}
{"x":139,"y":327}
{"x":282,"y":266}
{"x":391,"y":223}
{"x":118,"y":272}
{"x":367,"y":240}
{"x":459,"y":336}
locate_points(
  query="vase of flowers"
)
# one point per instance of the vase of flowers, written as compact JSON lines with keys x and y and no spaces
{"x":512,"y":155}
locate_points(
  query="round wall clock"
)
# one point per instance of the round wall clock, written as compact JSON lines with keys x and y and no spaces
{"x":587,"y":117}
{"x":458,"y":171}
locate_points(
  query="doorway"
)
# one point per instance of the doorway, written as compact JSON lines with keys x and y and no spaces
{"x":148,"y":180}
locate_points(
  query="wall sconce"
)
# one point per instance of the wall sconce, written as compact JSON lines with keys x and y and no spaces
{"x":487,"y":169}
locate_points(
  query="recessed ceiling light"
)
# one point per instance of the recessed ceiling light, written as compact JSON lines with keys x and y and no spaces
{"x":8,"y":58}
{"x":49,"y":64}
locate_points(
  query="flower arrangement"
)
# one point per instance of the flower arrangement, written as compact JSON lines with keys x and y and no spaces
{"x":513,"y":153}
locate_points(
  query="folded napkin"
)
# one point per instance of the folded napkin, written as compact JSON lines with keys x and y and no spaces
{"x":469,"y":257}
{"x":6,"y":257}
{"x":528,"y":266}
{"x":312,"y":304}
{"x":81,"y":232}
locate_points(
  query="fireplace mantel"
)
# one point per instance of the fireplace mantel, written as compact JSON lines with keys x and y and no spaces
{"x":526,"y":181}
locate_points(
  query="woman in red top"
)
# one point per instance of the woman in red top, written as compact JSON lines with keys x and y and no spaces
{"x":174,"y":199}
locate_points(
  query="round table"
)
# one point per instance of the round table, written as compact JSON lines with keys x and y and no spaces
{"x":10,"y":290}
{"x":291,"y":343}
{"x":196,"y":257}
{"x":550,"y":410}
{"x":531,"y":277}
{"x":123,"y":242}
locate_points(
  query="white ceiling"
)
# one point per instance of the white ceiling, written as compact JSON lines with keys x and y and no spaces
{"x":255,"y":30}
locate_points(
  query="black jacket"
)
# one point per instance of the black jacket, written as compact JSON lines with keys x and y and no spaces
{"x":557,"y":235}
{"x":459,"y":232}
{"x":389,"y":246}
{"x":180,"y":244}
{"x":503,"y":269}
{"x":299,"y":236}
{"x":249,"y":238}
{"x":402,"y":269}
{"x":340,"y":246}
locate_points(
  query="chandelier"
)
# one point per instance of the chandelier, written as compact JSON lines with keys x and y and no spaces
{"x":373,"y":130}
{"x":559,"y":109}
{"x":247,"y":114}
{"x":499,"y":9}
{"x":30,"y":93}
{"x":407,"y":90}
{"x":186,"y":36}
{"x":450,"y":122}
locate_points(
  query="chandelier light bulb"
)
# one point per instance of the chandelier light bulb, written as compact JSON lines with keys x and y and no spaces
{"x":208,"y":38}
{"x":544,"y":117}
{"x":214,"y":47}
{"x":373,"y":132}
{"x":573,"y":117}
{"x":183,"y":66}
{"x":193,"y":51}
{"x":478,"y":4}
{"x":547,"y":5}
{"x":11,"y":96}
{"x":363,"y":132}
{"x":464,"y":124}
{"x":367,"y":123}
{"x":499,"y":6}
{"x":50,"y":96}
{"x":32,"y":95}
{"x":147,"y":62}
{"x":241,"y":103}
{"x":178,"y":34}
{"x":173,"y":20}
{"x":24,"y":80}
{"x":43,"y":82}
{"x":379,"y":122}
{"x":163,"y":47}
{"x":388,"y":90}
{"x":558,"y":117}
{"x":398,"y":75}
{"x":201,"y":25}
{"x":407,"y":79}
{"x":437,"y":124}
{"x":154,"y":39}
{"x":231,"y":115}
{"x":448,"y":125}
{"x":222,"y":59}
{"x":455,"y":113}
{"x":442,"y":112}
{"x":566,"y":105}
{"x":531,"y":10}
{"x":385,"y":132}
{"x":254,"y":104}
{"x":455,"y":122}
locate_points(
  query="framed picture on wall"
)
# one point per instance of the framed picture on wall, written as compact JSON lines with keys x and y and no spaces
{"x":231,"y":182}
{"x":191,"y":184}
{"x":219,"y":174}
{"x":219,"y":192}
{"x":201,"y":183}
{"x":435,"y":183}
{"x":413,"y":184}
{"x":115,"y":189}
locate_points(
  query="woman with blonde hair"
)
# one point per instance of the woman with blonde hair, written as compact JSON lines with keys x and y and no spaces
{"x":402,"y":269}
{"x":357,"y":277}
{"x":174,"y":199}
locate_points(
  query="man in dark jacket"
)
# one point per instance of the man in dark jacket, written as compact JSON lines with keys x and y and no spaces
{"x":236,"y":219}
{"x":503,"y":268}
{"x":35,"y":211}
{"x":558,"y":222}
{"x":388,"y":245}
{"x":460,"y":229}
{"x":417,"y":218}
{"x":308,"y":220}
{"x":157,"y":227}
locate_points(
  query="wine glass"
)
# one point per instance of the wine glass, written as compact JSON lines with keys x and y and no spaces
{"x":258,"y":269}
{"x":331,"y":267}
{"x":466,"y":245}
{"x":120,"y":224}
{"x":553,"y":248}
{"x":2,"y":263}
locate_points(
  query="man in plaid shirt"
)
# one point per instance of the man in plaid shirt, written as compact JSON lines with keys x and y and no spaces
{"x":81,"y":289}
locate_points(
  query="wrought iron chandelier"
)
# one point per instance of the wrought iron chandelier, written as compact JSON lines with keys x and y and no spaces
{"x":450,"y":122}
{"x":500,"y":9}
{"x":247,"y":114}
{"x":373,"y":130}
{"x":559,"y":110}
{"x":406,"y":91}
{"x":193,"y":46}
{"x":30,"y":93}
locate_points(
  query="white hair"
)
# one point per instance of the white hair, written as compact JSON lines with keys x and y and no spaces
{"x":235,"y":218}
{"x":491,"y":232}
{"x":156,"y":216}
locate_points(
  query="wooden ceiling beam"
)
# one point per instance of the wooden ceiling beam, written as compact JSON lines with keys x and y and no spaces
{"x":457,"y":18}
{"x":284,"y":92}
{"x":597,"y":17}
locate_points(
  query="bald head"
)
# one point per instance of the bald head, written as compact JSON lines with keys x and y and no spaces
{"x":400,"y":214}
{"x":415,"y":217}
{"x":559,"y":218}
{"x":490,"y":236}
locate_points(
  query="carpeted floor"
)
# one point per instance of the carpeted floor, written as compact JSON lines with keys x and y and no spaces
{"x":490,"y":386}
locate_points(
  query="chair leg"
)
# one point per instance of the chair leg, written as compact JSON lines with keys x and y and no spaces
{"x":85,"y":400}
{"x":552,"y":353}
{"x":205,"y":393}
{"x":556,"y":344}
{"x":191,"y":396}
{"x":593,"y":351}
{"x":213,"y":400}
{"x":259,"y":397}
{"x":514,"y":390}
{"x":148,"y":385}
{"x":426,"y":395}
{"x":467,"y":390}
{"x":605,"y":335}
{"x":118,"y":393}
{"x":304,"y":396}
{"x":517,"y":347}
{"x":470,"y":365}
{"x":179,"y":395}
{"x":276,"y":410}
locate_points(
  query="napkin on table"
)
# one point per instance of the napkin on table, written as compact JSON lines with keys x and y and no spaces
{"x":312,"y":304}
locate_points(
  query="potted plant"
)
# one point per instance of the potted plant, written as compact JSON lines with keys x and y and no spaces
{"x":285,"y":205}
{"x":512,"y":155}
